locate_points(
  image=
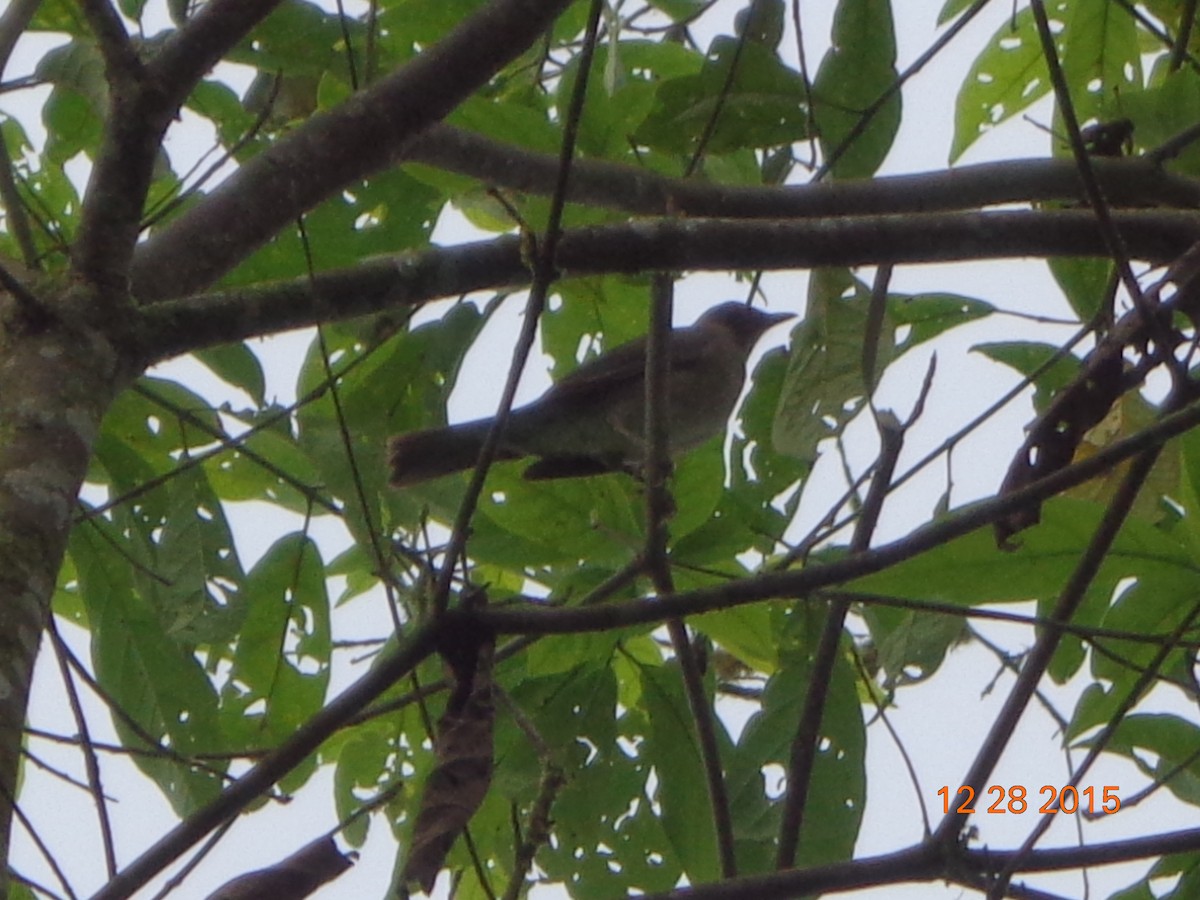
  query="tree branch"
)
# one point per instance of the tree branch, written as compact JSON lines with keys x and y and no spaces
{"x":199,"y":45}
{"x":923,"y":862}
{"x":181,"y":326}
{"x":776,"y":585}
{"x":807,"y":736}
{"x":332,"y":149}
{"x":629,"y":188}
{"x":121,"y":63}
{"x":13,"y":23}
{"x":413,"y":648}
{"x":136,"y":119}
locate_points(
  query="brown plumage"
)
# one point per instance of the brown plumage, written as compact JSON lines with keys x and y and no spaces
{"x":591,"y":421}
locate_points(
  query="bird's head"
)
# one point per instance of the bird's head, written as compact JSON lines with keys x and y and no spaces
{"x":745,"y":323}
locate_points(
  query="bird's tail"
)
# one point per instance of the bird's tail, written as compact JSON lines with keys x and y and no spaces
{"x":421,"y":455}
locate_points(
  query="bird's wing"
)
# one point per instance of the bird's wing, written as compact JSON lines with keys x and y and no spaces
{"x":623,"y":365}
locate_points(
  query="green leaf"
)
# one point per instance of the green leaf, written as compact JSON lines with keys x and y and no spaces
{"x":72,"y":126}
{"x":386,"y":213}
{"x":59,"y":15}
{"x":1037,"y":361}
{"x":1163,"y":110}
{"x":595,"y":315}
{"x":837,"y":792}
{"x":745,"y":631}
{"x":133,"y":8}
{"x":761,"y":106}
{"x":609,"y":116}
{"x":361,"y":762}
{"x":824,"y":388}
{"x":671,"y":746}
{"x":911,"y":645}
{"x":679,"y":10}
{"x":922,"y":317}
{"x":602,"y":824}
{"x":858,"y":69}
{"x":522,"y":121}
{"x":399,"y":384}
{"x":762,"y":21}
{"x":1100,"y":59}
{"x":1008,"y":76}
{"x":1172,"y":741}
{"x":219,"y":104}
{"x":196,"y":572}
{"x":236,"y":364}
{"x":299,"y":38}
{"x":597,"y":519}
{"x":79,"y":66}
{"x":1084,"y":282}
{"x":760,"y":471}
{"x":970,"y":570}
{"x":154,"y":681}
{"x":1155,"y":605}
{"x":235,"y":476}
{"x":951,"y":10}
{"x":281,"y":664}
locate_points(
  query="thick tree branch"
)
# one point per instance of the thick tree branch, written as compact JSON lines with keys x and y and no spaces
{"x":136,"y":119}
{"x":201,"y":43}
{"x":12,"y":25}
{"x":121,"y":63}
{"x":180,"y":326}
{"x":925,"y":862}
{"x":332,"y":149}
{"x":1126,"y":182}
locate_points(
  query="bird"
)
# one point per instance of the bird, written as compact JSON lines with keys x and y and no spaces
{"x":591,"y":422}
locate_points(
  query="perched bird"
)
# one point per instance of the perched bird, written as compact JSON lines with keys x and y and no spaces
{"x":592,"y":421}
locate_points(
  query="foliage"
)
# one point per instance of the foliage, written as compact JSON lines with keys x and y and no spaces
{"x":205,"y":656}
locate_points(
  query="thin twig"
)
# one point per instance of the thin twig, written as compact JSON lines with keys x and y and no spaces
{"x":552,"y":781}
{"x":1039,"y":657}
{"x":383,"y":570}
{"x":545,"y":272}
{"x":710,"y":125}
{"x":1117,"y":248}
{"x":1099,"y":743}
{"x":808,"y":729}
{"x":351,"y":65}
{"x":43,"y":849}
{"x":772,"y":585}
{"x":802,"y":67}
{"x":178,"y":878}
{"x":414,"y":647}
{"x":311,"y":494}
{"x":881,"y":711}
{"x":658,"y":505}
{"x":1179,"y":48}
{"x":90,"y":762}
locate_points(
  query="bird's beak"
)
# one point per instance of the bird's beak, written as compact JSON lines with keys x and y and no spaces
{"x":777,"y":318}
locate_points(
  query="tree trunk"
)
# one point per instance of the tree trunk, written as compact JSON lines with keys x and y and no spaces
{"x":56,"y":380}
